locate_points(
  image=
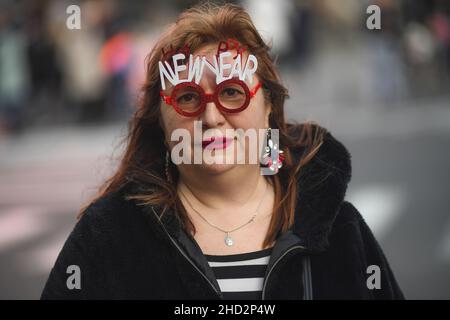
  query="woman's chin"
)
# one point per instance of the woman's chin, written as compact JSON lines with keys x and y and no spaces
{"x":217,"y":168}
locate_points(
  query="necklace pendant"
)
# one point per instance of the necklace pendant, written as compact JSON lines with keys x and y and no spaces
{"x":228,"y":240}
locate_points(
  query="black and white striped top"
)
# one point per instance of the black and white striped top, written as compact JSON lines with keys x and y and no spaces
{"x":240,"y":276}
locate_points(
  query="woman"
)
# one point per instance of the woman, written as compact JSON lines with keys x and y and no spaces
{"x":275,"y":229}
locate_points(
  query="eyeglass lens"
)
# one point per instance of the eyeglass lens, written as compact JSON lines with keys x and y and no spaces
{"x":230,"y":96}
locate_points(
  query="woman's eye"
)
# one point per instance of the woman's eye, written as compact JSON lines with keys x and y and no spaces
{"x":189,"y":97}
{"x":231,"y":92}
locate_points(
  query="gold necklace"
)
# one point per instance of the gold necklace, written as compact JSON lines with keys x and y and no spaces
{"x":229,"y":241}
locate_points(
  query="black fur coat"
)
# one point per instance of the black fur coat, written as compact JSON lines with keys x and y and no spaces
{"x":124,"y":252}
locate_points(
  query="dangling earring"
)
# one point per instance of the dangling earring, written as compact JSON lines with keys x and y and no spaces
{"x":168,"y":176}
{"x":272,"y":157}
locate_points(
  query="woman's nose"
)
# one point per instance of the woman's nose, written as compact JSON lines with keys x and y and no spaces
{"x":212,"y":117}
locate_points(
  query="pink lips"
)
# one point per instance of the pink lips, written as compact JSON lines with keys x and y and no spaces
{"x":216,"y":143}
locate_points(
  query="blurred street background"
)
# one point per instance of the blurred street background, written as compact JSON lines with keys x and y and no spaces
{"x":66,"y":95}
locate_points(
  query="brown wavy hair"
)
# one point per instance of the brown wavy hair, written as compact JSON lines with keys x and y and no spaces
{"x":143,"y":160}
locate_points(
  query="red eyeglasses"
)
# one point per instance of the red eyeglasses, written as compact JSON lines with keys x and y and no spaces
{"x":231,"y":96}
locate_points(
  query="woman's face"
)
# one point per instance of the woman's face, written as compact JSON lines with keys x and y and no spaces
{"x":214,"y":123}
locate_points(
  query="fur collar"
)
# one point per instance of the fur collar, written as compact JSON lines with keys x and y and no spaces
{"x":322,"y":185}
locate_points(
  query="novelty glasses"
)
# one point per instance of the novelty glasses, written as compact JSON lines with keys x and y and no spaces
{"x":230,"y":96}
